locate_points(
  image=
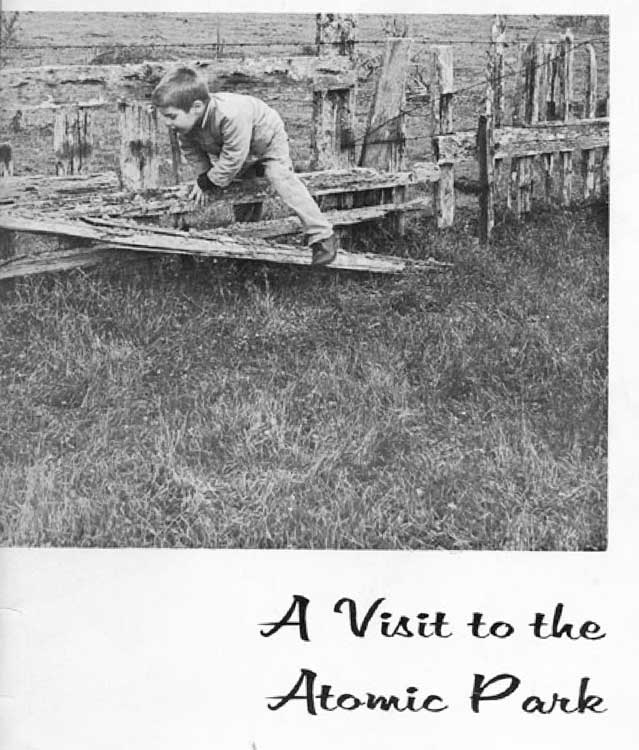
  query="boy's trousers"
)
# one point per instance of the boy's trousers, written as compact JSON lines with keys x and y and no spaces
{"x":278,"y":169}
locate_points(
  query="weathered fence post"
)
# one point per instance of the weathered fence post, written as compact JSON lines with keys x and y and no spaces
{"x":385,"y":141}
{"x":334,"y":105}
{"x":546,"y":94}
{"x":7,"y":239}
{"x":6,"y":160}
{"x":566,"y":60}
{"x":486,"y":153}
{"x":522,"y":167}
{"x":176,"y":156}
{"x":332,"y":132}
{"x":588,"y":156}
{"x":495,"y":86}
{"x":520,"y":85}
{"x":335,"y":33}
{"x":72,"y":139}
{"x":442,"y":92}
{"x":139,"y":152}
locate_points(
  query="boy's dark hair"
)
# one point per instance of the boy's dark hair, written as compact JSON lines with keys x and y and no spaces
{"x":179,"y":88}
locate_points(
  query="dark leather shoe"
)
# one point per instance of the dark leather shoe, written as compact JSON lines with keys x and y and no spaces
{"x":324,"y":251}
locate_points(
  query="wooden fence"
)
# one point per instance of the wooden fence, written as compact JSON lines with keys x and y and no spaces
{"x":354,"y":178}
{"x":549,"y":124}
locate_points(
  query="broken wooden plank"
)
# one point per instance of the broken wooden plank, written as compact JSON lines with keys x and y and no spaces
{"x":36,"y":187}
{"x":137,"y":81}
{"x":340,"y":218}
{"x":220,"y":246}
{"x":62,"y":259}
{"x":385,"y":140}
{"x":547,"y":137}
{"x":96,"y":196}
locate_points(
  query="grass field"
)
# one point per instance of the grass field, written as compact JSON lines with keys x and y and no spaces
{"x":222,"y":404}
{"x":251,"y":406}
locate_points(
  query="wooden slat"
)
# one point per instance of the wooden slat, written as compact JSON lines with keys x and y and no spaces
{"x":341,"y":218}
{"x":486,"y":178}
{"x":62,"y":259}
{"x":548,"y":166}
{"x":588,"y":169}
{"x":136,"y":81}
{"x":220,"y":246}
{"x":590,"y":108}
{"x":565,"y":177}
{"x":524,"y":185}
{"x":385,"y":140}
{"x":513,"y":142}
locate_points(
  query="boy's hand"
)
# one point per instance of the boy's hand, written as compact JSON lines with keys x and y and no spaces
{"x":203,"y":190}
{"x":198,"y":196}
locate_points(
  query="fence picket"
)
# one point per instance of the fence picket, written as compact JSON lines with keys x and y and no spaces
{"x":72,"y":140}
{"x":139,"y":153}
{"x":442,"y":92}
{"x":591,"y":185}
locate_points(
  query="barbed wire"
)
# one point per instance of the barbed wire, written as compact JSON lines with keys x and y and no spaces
{"x":365,"y":137}
{"x":287,"y":43}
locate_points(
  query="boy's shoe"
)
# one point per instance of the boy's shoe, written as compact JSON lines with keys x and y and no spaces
{"x":324,"y":251}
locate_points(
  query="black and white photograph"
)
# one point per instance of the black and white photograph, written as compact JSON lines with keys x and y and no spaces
{"x":318,"y":406}
{"x":304,"y":281}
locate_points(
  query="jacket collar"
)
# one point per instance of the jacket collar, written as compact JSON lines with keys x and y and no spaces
{"x":207,"y":113}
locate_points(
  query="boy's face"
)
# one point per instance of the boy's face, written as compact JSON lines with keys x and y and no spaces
{"x":180,"y":120}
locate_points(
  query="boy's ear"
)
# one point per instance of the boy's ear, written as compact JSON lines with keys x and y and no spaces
{"x":198,"y":107}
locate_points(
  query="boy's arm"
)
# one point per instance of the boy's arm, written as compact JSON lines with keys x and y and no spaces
{"x":194,"y":154}
{"x":236,"y":135}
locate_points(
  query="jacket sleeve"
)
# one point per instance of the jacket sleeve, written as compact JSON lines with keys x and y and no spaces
{"x":194,"y":154}
{"x":236,"y":136}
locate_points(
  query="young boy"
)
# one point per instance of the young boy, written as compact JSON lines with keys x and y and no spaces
{"x":224,"y":135}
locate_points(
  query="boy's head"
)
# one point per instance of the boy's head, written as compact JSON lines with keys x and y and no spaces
{"x":181,"y":98}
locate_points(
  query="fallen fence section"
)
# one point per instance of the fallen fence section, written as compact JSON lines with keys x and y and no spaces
{"x":99,"y":194}
{"x":112,"y":237}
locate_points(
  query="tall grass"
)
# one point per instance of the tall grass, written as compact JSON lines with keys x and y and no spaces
{"x":230,"y":405}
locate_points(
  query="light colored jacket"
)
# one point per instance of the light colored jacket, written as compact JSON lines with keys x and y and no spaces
{"x":235,"y":129}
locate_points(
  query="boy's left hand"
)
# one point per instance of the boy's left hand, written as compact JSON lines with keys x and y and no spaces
{"x":203,"y":190}
{"x":198,"y":196}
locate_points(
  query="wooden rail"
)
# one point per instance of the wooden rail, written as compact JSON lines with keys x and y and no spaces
{"x":130,"y":236}
{"x":32,"y":86}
